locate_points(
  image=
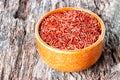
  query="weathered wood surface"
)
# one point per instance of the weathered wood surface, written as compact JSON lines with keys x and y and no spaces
{"x":19,"y":59}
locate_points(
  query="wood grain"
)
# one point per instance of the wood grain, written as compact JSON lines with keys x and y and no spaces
{"x":19,"y":59}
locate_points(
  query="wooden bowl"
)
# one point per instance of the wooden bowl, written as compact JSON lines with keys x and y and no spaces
{"x":70,"y":60}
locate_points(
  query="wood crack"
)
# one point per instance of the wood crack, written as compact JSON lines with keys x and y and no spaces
{"x":22,"y":12}
{"x":18,"y":61}
{"x":6,"y":3}
{"x":2,"y":74}
{"x":95,"y":2}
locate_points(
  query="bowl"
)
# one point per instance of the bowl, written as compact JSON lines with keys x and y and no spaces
{"x":70,"y":60}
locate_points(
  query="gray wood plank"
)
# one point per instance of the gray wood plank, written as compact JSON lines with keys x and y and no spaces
{"x":19,"y":59}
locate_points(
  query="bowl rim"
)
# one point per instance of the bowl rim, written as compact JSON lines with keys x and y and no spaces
{"x":101,"y":36}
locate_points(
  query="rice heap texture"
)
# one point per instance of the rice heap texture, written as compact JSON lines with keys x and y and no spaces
{"x":70,"y":30}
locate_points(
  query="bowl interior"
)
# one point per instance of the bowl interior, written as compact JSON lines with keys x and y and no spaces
{"x":101,"y":36}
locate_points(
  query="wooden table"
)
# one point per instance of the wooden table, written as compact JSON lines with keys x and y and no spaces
{"x":19,"y":59}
